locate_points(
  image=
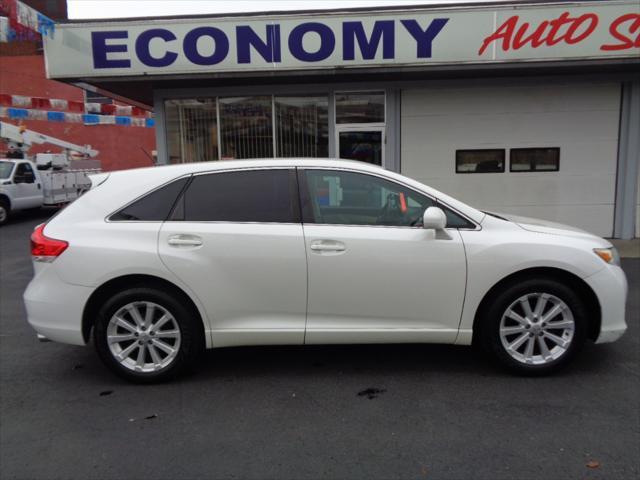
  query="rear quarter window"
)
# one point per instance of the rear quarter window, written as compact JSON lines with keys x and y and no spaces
{"x":155,"y":206}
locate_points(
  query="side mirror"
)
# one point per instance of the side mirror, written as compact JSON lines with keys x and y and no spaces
{"x":434,"y":219}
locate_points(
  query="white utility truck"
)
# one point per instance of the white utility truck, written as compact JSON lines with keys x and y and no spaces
{"x":46,"y":179}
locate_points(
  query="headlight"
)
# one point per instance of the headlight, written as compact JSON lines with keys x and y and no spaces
{"x":609,"y":255}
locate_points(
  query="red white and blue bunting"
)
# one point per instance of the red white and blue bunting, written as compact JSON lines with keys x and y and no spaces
{"x":21,"y":101}
{"x":18,"y":21}
{"x":85,"y":118}
{"x":20,"y":107}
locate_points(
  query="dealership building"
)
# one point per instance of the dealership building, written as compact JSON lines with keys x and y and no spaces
{"x":528,"y":108}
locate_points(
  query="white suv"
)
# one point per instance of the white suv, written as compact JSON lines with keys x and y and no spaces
{"x":158,"y":264}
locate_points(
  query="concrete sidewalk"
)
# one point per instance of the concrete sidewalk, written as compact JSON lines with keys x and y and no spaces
{"x":627,"y":248}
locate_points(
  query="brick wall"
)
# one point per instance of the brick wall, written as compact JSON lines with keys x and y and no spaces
{"x":120,"y":147}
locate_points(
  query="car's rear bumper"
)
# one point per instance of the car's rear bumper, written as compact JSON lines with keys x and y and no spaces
{"x":54,"y":308}
{"x":610,"y":286}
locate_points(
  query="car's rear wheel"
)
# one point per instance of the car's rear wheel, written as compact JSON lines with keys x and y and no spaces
{"x":147,"y":335}
{"x":535,"y":326}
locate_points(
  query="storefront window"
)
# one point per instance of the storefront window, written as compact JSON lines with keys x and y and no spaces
{"x":246,"y":127}
{"x":360,"y":107}
{"x":267,"y":126}
{"x":302,"y":128}
{"x":192,"y":130}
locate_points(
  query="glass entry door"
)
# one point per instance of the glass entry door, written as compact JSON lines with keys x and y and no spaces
{"x":365,"y":144}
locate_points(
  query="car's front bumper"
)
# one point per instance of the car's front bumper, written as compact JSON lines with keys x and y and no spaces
{"x":610,"y":286}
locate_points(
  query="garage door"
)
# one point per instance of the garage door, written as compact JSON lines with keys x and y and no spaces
{"x":571,"y":128}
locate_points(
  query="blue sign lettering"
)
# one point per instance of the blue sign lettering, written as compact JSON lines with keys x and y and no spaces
{"x":100,"y":49}
{"x":327,"y":42}
{"x":383,"y":29}
{"x":142,"y":48}
{"x":260,"y":47}
{"x":424,"y":38}
{"x":269,"y":50}
{"x":220,"y":51}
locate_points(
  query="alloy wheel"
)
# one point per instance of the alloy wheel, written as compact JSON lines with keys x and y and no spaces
{"x":537,"y":329}
{"x":143,"y":337}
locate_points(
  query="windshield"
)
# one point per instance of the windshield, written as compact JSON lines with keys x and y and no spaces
{"x":5,"y":169}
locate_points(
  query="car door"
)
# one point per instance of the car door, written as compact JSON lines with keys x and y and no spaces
{"x":235,"y":238}
{"x":28,"y":190}
{"x":374,"y":274}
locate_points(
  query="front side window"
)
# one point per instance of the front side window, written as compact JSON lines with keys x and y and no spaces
{"x":25,"y":173}
{"x":268,"y":195}
{"x":351,"y":198}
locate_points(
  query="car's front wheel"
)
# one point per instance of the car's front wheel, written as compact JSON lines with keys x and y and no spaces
{"x":535,"y":326}
{"x":4,"y":211}
{"x":147,"y":335}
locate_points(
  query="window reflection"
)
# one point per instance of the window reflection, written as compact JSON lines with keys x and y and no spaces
{"x":246,"y":127}
{"x":360,"y":107}
{"x":362,"y":146}
{"x":192,"y":130}
{"x":302,"y":126}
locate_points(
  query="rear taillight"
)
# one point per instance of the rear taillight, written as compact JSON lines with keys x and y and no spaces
{"x":45,"y":249}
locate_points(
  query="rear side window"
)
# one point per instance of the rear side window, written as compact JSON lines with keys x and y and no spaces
{"x":153,"y":207}
{"x":242,"y":196}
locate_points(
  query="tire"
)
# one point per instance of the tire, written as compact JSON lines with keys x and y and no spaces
{"x":5,"y":211}
{"x":517,"y":338}
{"x":172,"y":324}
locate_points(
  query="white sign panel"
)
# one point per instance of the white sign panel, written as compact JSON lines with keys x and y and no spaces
{"x":416,"y":37}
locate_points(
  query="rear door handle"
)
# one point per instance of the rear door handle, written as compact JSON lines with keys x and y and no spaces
{"x":184,"y":241}
{"x":327,"y":246}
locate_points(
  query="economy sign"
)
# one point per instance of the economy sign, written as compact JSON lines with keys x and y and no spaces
{"x":313,"y":41}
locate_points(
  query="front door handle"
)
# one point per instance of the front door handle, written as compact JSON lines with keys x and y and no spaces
{"x":184,"y":241}
{"x":327,"y":246}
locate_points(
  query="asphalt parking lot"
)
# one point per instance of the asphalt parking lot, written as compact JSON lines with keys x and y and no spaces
{"x":311,"y":412}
